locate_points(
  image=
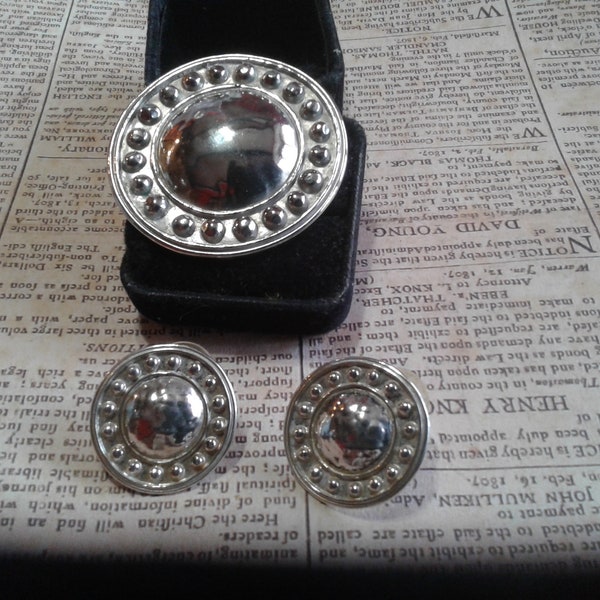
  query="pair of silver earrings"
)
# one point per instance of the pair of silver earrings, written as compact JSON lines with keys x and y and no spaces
{"x":355,"y":430}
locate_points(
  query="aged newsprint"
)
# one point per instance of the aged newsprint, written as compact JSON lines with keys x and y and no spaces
{"x":478,"y":268}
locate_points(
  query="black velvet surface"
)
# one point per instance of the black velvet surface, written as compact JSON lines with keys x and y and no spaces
{"x":300,"y":33}
{"x":303,"y":285}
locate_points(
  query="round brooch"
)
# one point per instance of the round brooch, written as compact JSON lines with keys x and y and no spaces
{"x":228,"y":155}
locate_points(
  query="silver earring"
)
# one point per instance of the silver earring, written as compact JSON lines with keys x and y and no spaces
{"x":163,"y":418}
{"x":356,"y":431}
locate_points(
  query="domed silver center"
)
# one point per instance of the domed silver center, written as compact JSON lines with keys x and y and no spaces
{"x":228,"y":150}
{"x":354,"y":431}
{"x":164,"y":416}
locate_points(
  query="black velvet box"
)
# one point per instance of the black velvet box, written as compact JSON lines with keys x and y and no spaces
{"x":303,"y":285}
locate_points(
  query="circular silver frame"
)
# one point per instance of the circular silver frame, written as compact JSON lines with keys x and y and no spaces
{"x":397,"y":394}
{"x":154,"y":206}
{"x":185,"y":462}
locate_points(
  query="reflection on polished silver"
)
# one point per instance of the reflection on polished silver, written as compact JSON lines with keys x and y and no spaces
{"x":163,"y":418}
{"x":243,"y":152}
{"x":356,"y":431}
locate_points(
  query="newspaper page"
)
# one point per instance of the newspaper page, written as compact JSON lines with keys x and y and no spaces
{"x":478,"y":269}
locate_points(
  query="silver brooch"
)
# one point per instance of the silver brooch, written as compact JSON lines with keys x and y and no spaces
{"x":163,"y":418}
{"x":228,"y":155}
{"x":356,"y":431}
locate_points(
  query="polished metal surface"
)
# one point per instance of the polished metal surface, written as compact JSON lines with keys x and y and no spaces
{"x":353,"y":430}
{"x":356,"y":431}
{"x":163,"y":417}
{"x":228,"y":151}
{"x":228,"y":155}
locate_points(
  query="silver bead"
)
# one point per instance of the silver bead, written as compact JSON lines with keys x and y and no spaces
{"x":183,"y":226}
{"x":156,"y":207}
{"x":169,"y":95}
{"x":319,"y":156}
{"x":245,"y":73}
{"x":138,"y":138}
{"x":212,"y":231}
{"x":133,"y":161}
{"x":320,"y":132}
{"x":293,"y":92}
{"x":192,"y":81}
{"x":274,"y":218}
{"x":141,"y":185}
{"x":271,"y":80}
{"x":311,"y":181}
{"x":311,"y":110}
{"x":149,"y":115}
{"x":245,"y":229}
{"x":297,"y":202}
{"x":217,"y":74}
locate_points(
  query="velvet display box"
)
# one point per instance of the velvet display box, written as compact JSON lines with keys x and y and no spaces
{"x":303,"y":285}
